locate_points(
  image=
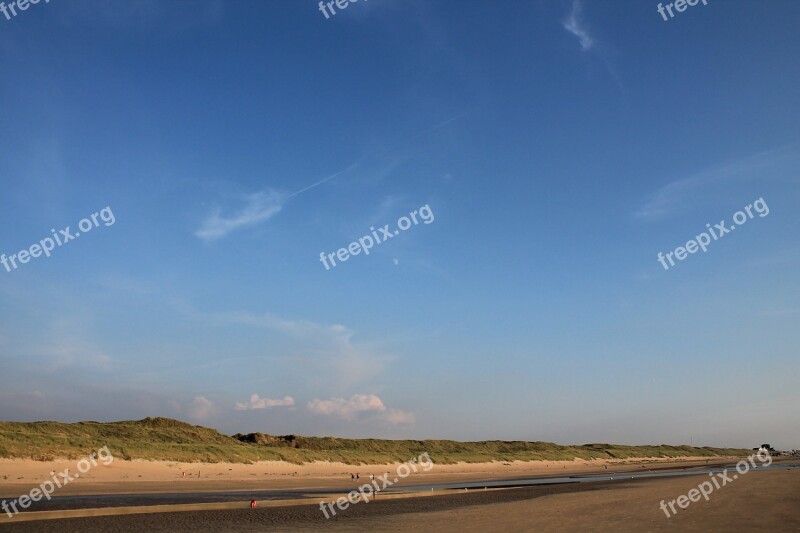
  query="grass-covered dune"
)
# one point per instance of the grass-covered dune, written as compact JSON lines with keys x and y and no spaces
{"x":173,"y":440}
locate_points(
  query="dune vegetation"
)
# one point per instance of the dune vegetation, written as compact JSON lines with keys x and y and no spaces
{"x":172,"y":440}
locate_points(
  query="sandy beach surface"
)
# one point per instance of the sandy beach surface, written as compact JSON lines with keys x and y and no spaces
{"x":760,"y":501}
{"x":18,"y":476}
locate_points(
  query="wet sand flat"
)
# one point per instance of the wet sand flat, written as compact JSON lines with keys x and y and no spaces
{"x":763,"y":501}
{"x":768,"y":500}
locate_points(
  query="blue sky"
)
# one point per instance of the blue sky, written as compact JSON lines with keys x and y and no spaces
{"x":561,"y":145}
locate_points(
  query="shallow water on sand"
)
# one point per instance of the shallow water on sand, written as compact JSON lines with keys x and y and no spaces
{"x":126,"y":500}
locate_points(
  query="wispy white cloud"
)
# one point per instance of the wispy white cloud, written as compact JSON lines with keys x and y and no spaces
{"x":590,"y":44}
{"x":264,"y":403}
{"x":65,"y":343}
{"x":258,"y":207}
{"x":360,"y":407}
{"x":771,"y":164}
{"x":272,"y":321}
{"x":328,"y":350}
{"x":264,"y":205}
{"x":576,"y":26}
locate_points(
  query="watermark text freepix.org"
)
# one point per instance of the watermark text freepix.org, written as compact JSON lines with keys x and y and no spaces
{"x":58,"y":481}
{"x":704,"y":239}
{"x":680,"y":7}
{"x":22,"y":5}
{"x":365,"y":243}
{"x":341,"y":4}
{"x":48,"y":244}
{"x":369,"y":491}
{"x":720,"y":479}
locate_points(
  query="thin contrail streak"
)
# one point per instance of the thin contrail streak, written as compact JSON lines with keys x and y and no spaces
{"x":323,"y":180}
{"x":443,"y":124}
{"x":351,"y":167}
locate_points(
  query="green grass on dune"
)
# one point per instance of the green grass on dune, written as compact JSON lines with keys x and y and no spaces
{"x":172,"y":440}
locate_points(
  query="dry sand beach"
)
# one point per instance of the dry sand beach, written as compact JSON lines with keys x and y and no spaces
{"x":139,"y":476}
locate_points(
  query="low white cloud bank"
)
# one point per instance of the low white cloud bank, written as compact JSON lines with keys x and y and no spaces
{"x":359,"y":407}
{"x":200,"y":408}
{"x":257,"y":402}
